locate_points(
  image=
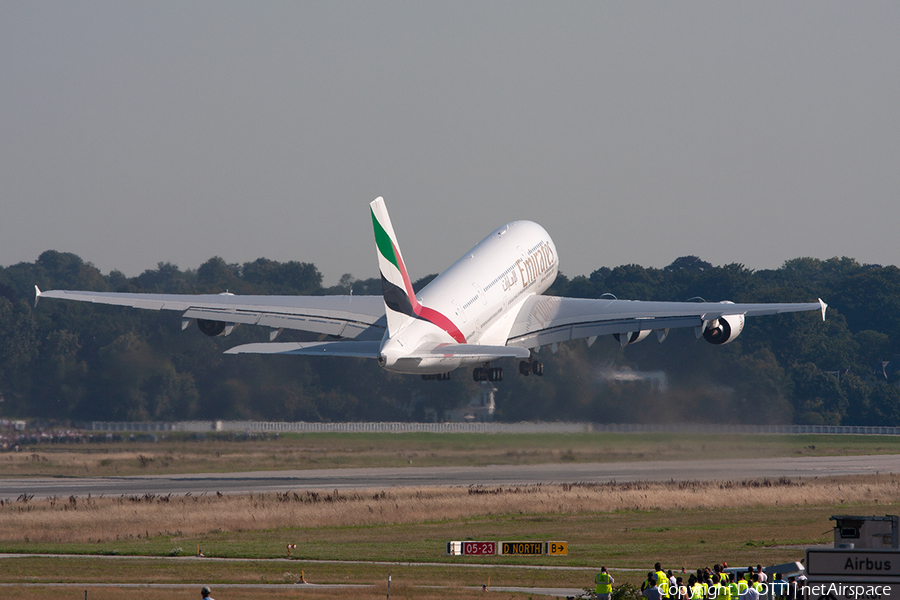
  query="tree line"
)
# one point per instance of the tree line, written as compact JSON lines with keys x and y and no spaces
{"x":76,"y":361}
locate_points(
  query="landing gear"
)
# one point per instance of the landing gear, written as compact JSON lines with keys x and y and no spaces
{"x":487,"y":374}
{"x":437,"y":377}
{"x":527,"y":367}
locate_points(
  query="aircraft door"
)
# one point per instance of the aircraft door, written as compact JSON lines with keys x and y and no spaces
{"x":459,"y":311}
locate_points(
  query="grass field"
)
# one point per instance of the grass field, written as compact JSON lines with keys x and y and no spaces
{"x":364,"y":536}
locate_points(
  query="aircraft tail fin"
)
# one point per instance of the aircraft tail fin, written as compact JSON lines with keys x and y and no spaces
{"x":399,"y":299}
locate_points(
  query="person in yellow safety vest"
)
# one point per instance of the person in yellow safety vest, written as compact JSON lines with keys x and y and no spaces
{"x":652,"y":592}
{"x":662,"y":580}
{"x":717,"y":591}
{"x":695,"y":589}
{"x":742,"y":584}
{"x":649,"y":582}
{"x":604,"y":583}
{"x":734,"y":590}
{"x":757,"y":584}
{"x":703,"y":580}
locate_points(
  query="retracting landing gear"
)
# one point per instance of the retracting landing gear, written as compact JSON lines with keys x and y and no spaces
{"x":526,"y":367}
{"x":437,"y":377}
{"x":487,"y":373}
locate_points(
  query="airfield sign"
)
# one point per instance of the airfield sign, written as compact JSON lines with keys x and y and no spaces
{"x":472,"y":548}
{"x":846,"y":573}
{"x":522,"y":548}
{"x":479,"y":548}
{"x":557,"y":548}
{"x":851,"y":565}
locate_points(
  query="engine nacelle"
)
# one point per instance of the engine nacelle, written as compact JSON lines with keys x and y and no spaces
{"x":724,"y":329}
{"x":632,"y":337}
{"x":214,"y":328}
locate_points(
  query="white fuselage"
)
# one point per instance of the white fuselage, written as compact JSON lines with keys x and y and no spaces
{"x":480,"y":294}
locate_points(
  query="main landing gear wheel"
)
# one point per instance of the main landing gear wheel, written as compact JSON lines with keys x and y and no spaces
{"x":526,"y":367}
{"x":437,"y":377}
{"x":487,"y":374}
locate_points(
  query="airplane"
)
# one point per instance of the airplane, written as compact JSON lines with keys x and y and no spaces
{"x":486,"y":306}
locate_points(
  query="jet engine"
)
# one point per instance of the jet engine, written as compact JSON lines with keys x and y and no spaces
{"x":214,"y":328}
{"x":724,"y":329}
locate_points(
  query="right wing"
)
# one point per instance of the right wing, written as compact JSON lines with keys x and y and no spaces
{"x":349,"y":317}
{"x":551,"y":319}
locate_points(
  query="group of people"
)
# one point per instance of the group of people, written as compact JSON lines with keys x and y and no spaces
{"x":708,"y":584}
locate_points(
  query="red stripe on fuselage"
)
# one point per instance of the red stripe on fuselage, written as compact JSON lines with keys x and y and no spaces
{"x":423,"y":312}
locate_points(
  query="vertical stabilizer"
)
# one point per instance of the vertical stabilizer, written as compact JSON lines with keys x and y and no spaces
{"x":399,"y":298}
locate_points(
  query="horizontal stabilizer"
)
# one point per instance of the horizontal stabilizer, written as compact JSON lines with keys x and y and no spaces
{"x":473,"y":351}
{"x":350,"y":349}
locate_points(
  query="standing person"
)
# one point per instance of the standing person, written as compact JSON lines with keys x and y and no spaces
{"x":205,"y":593}
{"x":734,"y":590}
{"x":604,"y":583}
{"x":677,"y":591}
{"x":792,"y":588}
{"x":653,"y":592}
{"x":749,"y":593}
{"x":763,"y":578}
{"x":649,"y":582}
{"x":695,"y":589}
{"x":802,"y":589}
{"x":662,"y":580}
{"x":779,"y":587}
{"x":717,"y":590}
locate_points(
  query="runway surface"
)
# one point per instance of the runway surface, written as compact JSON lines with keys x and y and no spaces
{"x":495,"y":475}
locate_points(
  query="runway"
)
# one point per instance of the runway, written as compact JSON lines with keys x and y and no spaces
{"x":494,"y":475}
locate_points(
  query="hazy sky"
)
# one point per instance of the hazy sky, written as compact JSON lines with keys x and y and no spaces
{"x":635,"y":132}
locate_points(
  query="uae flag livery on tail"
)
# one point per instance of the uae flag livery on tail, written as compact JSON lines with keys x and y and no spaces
{"x":400,"y":304}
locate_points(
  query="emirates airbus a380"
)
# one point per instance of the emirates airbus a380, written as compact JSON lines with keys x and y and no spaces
{"x":487,"y":306}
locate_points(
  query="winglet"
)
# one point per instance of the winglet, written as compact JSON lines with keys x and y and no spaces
{"x":824,"y":306}
{"x":37,"y":295}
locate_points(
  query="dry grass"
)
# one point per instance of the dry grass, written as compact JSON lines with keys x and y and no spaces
{"x":77,"y":520}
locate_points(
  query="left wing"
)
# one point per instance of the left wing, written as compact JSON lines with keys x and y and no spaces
{"x":551,"y":320}
{"x":353,"y":317}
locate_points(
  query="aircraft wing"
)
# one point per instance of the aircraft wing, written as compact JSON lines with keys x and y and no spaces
{"x":551,"y":320}
{"x":355,"y":317}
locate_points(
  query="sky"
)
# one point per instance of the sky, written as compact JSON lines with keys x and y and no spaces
{"x":135,"y":133}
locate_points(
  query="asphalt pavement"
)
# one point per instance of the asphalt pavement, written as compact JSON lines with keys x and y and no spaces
{"x":493,"y":475}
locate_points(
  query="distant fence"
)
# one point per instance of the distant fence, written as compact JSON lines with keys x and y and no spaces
{"x":304,"y":427}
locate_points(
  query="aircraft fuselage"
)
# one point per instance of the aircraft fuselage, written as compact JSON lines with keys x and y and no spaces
{"x":476,"y":295}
